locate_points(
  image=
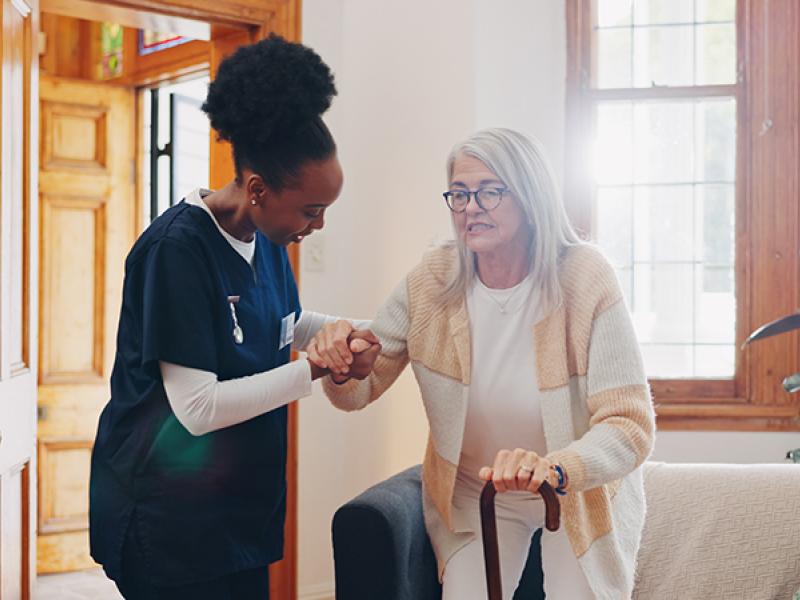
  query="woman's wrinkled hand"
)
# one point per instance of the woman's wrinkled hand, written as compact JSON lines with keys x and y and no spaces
{"x":365,"y":348}
{"x":518,"y":470}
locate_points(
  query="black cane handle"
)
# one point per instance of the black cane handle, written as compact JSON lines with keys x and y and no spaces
{"x":491,"y":550}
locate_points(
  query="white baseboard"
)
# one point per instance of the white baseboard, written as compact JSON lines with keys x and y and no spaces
{"x":321,"y":591}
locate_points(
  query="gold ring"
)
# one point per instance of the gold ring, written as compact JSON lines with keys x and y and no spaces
{"x":526,"y":468}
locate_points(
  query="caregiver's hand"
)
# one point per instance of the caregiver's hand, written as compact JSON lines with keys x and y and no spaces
{"x":518,"y":470}
{"x":330,"y":347}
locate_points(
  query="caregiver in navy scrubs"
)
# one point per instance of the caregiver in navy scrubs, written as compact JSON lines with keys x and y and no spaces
{"x":188,"y":492}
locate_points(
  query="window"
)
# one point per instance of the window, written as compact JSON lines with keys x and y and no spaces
{"x":176,"y":143}
{"x":667,"y":176}
{"x":664,"y":175}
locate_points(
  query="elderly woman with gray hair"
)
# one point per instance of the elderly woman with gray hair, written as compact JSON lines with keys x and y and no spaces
{"x":529,"y":370}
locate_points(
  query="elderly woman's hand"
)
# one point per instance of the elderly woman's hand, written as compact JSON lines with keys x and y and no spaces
{"x":518,"y":470}
{"x":365,"y":347}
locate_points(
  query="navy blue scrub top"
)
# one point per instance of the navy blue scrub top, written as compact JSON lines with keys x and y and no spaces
{"x":202,"y":506}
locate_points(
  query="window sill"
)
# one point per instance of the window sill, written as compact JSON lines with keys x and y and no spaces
{"x":697,"y":414}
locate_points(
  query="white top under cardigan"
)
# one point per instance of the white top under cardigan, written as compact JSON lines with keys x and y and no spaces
{"x":504,"y":410}
{"x":202,"y":404}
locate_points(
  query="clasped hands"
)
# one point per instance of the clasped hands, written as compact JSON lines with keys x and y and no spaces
{"x":343,"y":351}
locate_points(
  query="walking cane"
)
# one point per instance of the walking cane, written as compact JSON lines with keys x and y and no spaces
{"x":491,"y":551}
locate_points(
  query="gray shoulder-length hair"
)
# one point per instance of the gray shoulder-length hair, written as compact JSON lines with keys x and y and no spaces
{"x":519,"y":161}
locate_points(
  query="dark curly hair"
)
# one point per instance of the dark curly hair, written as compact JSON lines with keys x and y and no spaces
{"x":267,"y":100}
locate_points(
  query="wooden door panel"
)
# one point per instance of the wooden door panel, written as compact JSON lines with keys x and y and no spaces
{"x":73,"y":137}
{"x":88,"y":223}
{"x":73,"y":318}
{"x":64,"y":465}
{"x":19,"y":18}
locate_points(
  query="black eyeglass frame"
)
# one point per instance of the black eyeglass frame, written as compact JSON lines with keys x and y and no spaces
{"x":448,"y":195}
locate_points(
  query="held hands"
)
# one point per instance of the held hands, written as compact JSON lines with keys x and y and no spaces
{"x":344,"y":351}
{"x":518,"y":470}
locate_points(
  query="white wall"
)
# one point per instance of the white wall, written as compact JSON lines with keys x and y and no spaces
{"x":394,"y":121}
{"x":520,"y":69}
{"x":414,"y":77}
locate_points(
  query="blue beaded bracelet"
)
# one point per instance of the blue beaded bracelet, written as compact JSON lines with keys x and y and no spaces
{"x":562,"y":480}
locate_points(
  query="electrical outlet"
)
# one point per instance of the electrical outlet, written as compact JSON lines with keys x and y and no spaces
{"x":314,"y":253}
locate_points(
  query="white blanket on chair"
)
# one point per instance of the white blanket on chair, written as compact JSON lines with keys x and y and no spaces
{"x":720,"y":531}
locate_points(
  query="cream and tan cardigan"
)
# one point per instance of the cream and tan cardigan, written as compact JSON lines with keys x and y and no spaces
{"x":598,"y":417}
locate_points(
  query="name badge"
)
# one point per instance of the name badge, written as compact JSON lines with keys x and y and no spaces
{"x":287,"y":331}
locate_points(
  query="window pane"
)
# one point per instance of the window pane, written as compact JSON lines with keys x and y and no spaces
{"x":662,"y":223}
{"x":663,"y":142}
{"x":715,"y":306}
{"x":715,"y":361}
{"x":715,"y":10}
{"x":662,"y":303}
{"x":716,"y":140}
{"x":614,"y":224}
{"x":648,"y":12}
{"x":613,"y":13}
{"x":190,"y":146}
{"x":668,"y":361}
{"x":665,"y":173}
{"x":625,"y":277}
{"x":613,"y":151}
{"x":716,"y":211}
{"x":669,"y":42}
{"x":663,"y":56}
{"x":716,"y":54}
{"x":614,"y":58}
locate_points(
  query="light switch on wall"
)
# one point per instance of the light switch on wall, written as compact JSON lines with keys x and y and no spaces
{"x":313,"y":253}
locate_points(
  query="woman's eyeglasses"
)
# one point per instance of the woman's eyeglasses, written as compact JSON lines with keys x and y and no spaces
{"x":487,"y":198}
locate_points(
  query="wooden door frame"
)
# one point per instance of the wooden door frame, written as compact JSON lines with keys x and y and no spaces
{"x":258,"y":18}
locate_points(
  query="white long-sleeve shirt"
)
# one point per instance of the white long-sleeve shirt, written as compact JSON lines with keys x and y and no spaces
{"x":504,"y":410}
{"x":203,"y":404}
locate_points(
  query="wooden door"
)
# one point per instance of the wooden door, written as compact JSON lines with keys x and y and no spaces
{"x":88,"y":207}
{"x":18,"y":237}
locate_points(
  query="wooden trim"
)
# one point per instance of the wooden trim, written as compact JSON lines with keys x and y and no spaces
{"x":743,"y":270}
{"x":186,"y":60}
{"x":727,"y":417}
{"x":688,"y":390}
{"x":694,"y":423}
{"x":662,"y":92}
{"x":96,"y":11}
{"x":774,"y":134}
{"x":28,"y":176}
{"x":227,"y":12}
{"x":749,"y":411}
{"x":139,"y":205}
{"x":25,"y":543}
